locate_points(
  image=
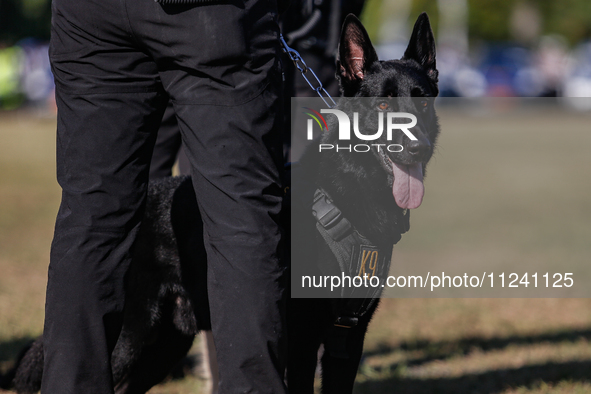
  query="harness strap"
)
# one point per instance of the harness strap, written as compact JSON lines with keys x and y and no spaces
{"x":356,"y":257}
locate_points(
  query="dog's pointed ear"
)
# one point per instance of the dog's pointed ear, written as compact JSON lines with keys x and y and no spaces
{"x":355,"y":54}
{"x":421,"y":47}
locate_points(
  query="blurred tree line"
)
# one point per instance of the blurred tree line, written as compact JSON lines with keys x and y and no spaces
{"x":487,"y":19}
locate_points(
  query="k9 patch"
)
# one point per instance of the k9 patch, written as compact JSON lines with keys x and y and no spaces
{"x":369,"y":259}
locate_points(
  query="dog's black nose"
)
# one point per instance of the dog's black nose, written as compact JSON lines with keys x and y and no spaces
{"x":418,"y":148}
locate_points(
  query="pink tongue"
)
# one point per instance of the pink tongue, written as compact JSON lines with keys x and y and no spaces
{"x":408,"y":189}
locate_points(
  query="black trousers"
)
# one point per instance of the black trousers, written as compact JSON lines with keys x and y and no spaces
{"x":168,"y":148}
{"x":115,"y":62}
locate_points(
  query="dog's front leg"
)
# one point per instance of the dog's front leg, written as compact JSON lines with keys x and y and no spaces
{"x":304,"y":337}
{"x":341,"y":359}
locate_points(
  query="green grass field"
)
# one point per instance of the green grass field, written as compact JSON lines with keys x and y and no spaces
{"x":494,"y":195}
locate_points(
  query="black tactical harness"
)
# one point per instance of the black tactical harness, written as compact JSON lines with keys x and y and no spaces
{"x":357,"y":257}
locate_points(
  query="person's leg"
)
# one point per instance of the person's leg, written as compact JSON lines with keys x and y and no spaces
{"x":169,"y":149}
{"x":239,"y":196}
{"x":166,"y":151}
{"x":109,"y":106}
{"x":168,"y":145}
{"x":219,"y":63}
{"x":209,"y":365}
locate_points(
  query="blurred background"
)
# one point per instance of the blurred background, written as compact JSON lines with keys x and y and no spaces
{"x":506,"y":184}
{"x":485,"y":47}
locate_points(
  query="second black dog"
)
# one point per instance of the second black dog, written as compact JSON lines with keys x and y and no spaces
{"x":166,"y":291}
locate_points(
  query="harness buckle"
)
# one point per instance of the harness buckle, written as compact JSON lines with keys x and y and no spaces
{"x":346,"y":321}
{"x":329,"y":216}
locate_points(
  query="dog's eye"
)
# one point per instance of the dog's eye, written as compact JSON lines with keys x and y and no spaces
{"x":383,"y":105}
{"x":424,"y":103}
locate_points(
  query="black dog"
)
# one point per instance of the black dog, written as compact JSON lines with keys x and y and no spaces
{"x":167,"y":301}
{"x":372,"y":191}
{"x":166,"y":296}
